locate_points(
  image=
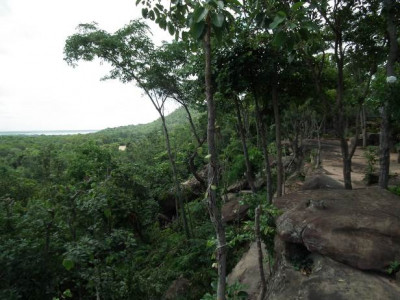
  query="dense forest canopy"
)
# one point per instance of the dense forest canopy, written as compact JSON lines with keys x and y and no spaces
{"x":83,"y":218}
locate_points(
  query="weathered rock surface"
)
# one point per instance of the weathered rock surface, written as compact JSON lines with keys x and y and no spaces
{"x":233,"y":210}
{"x":178,"y":289}
{"x":238,"y":186}
{"x":321,"y":181}
{"x":247,"y":272}
{"x":192,"y":187}
{"x":360,"y":228}
{"x":329,"y":280}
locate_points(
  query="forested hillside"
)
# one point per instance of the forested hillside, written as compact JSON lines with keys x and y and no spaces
{"x":80,"y":217}
{"x":142,"y":212}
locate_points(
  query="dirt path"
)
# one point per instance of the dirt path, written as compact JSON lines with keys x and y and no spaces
{"x":333,"y":166}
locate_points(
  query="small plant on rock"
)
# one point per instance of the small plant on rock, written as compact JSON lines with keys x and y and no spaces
{"x":394,"y":267}
{"x":371,"y":154}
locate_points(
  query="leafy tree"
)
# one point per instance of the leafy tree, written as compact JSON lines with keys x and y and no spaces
{"x":131,"y":54}
{"x":203,"y":18}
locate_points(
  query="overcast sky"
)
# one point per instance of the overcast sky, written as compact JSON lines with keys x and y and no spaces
{"x":39,"y":91}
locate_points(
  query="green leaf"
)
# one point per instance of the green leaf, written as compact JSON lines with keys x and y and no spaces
{"x":171,"y":28}
{"x":217,"y":20}
{"x":220,"y":4}
{"x":281,"y":14}
{"x":297,"y":5}
{"x":277,"y":20}
{"x":197,"y":30}
{"x":234,"y":2}
{"x":208,"y":156}
{"x":68,"y":264}
{"x":145,"y":11}
{"x":213,"y":187}
{"x":200,"y":14}
{"x":151,"y":15}
{"x":67,"y":293}
{"x":291,"y":25}
{"x":279,"y":39}
{"x":163,"y":24}
{"x":157,"y":12}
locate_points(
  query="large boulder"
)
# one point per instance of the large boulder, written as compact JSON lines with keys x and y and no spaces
{"x":247,"y":272}
{"x":328,"y":280}
{"x":238,"y":186}
{"x":178,"y":289}
{"x":360,"y":228}
{"x":321,"y":181}
{"x":192,"y":188}
{"x":233,"y":209}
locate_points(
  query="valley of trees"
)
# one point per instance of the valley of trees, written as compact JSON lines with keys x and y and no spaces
{"x":81,"y":219}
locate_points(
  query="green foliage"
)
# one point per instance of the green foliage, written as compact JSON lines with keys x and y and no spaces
{"x":303,"y":264}
{"x":371,"y":155}
{"x":383,"y":91}
{"x":268,"y":215}
{"x":88,"y":223}
{"x":395,"y":190}
{"x":394,"y":267}
{"x":80,"y":218}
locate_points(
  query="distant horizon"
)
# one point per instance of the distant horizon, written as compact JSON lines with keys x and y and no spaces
{"x":35,"y":131}
{"x":49,"y":132}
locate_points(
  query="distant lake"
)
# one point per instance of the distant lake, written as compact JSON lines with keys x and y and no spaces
{"x":47,"y":132}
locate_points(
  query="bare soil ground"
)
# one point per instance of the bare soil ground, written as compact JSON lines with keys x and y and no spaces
{"x":332,"y":164}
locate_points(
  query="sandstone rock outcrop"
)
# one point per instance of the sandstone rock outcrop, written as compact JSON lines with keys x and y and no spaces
{"x":233,"y":210}
{"x":329,"y":280}
{"x":360,"y":228}
{"x":178,"y":289}
{"x":247,"y":272}
{"x":321,"y":181}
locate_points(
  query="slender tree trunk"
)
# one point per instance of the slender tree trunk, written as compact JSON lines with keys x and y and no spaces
{"x":192,"y":167}
{"x":98,"y":282}
{"x":189,"y":115}
{"x":264,"y":146}
{"x":175,"y":177}
{"x":278,"y":139}
{"x":384,"y":160}
{"x":249,"y":171}
{"x":363,"y":126}
{"x":258,"y":132}
{"x":384,"y":149}
{"x":260,"y":253}
{"x":213,"y":208}
{"x":340,"y":123}
{"x":199,"y":144}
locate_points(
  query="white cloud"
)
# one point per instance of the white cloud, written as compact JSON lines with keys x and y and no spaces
{"x":39,"y":91}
